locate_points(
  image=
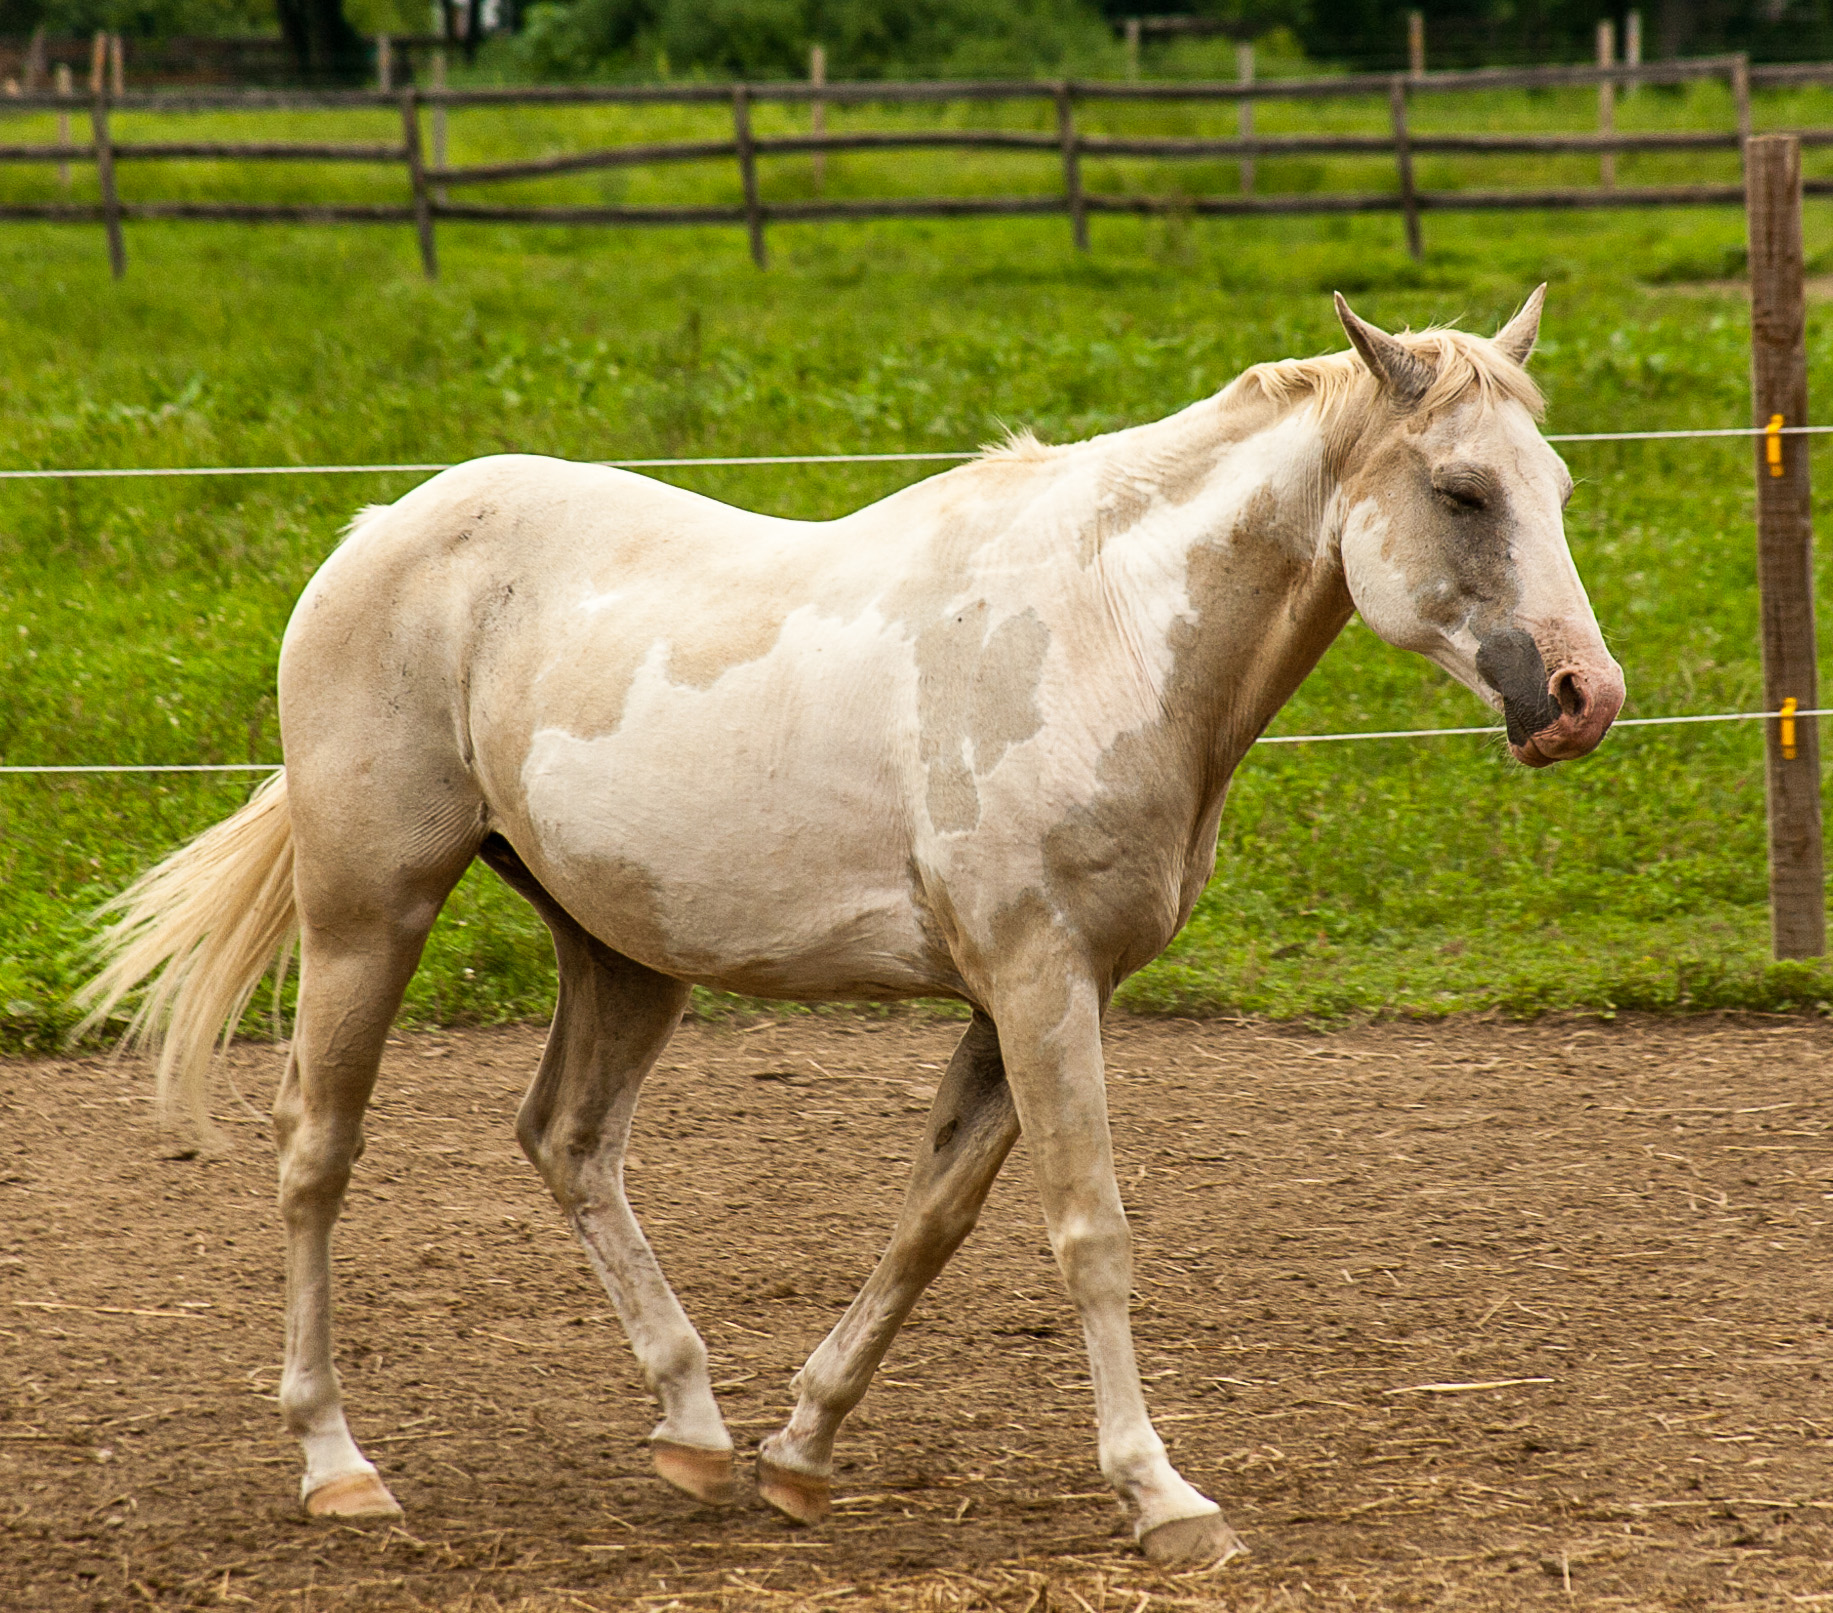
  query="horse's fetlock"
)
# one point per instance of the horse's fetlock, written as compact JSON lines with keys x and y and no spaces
{"x":1133,"y":1466}
{"x":305,"y":1400}
{"x":682,"y":1365}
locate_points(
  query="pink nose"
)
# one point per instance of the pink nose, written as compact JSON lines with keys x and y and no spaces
{"x":1589,"y":699}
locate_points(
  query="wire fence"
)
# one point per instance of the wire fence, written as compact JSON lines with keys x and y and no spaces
{"x":952,"y":456}
{"x":1265,"y":739}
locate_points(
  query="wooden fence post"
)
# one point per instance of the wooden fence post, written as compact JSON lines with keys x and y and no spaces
{"x":1132,"y":37}
{"x":64,"y":87}
{"x":1632,"y":45}
{"x":747,"y":172}
{"x":117,"y":65}
{"x":385,"y":64}
{"x":105,"y":179}
{"x":98,"y":64}
{"x":1072,"y":167}
{"x":1416,"y":43}
{"x":1244,"y":71}
{"x":416,"y":175}
{"x":440,"y":194}
{"x":1785,"y":544}
{"x":817,"y":111}
{"x":1403,"y":160}
{"x":1607,"y":102}
{"x":1740,"y":98}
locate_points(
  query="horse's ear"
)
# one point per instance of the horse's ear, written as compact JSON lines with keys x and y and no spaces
{"x":1404,"y":376}
{"x":1518,"y":336}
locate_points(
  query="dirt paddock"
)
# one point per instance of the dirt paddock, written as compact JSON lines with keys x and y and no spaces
{"x":1464,"y":1316}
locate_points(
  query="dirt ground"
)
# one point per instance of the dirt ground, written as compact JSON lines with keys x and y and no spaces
{"x":1480,"y":1315}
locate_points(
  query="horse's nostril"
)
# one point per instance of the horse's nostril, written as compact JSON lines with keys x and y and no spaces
{"x":1569,"y":691}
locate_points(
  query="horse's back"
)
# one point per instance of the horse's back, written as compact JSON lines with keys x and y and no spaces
{"x":684,"y":717}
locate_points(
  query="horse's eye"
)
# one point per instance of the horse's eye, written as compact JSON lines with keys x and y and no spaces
{"x":1466,"y":493}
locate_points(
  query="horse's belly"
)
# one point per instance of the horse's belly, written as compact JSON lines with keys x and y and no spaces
{"x":771,"y":858}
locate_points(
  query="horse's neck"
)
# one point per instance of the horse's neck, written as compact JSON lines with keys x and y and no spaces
{"x":1233,"y":577}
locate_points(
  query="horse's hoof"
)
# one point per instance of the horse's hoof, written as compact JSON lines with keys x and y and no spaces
{"x":352,"y":1495}
{"x":1204,"y":1538}
{"x":800,"y":1497}
{"x":696,"y":1470}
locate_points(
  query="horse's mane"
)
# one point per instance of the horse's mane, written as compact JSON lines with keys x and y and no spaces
{"x":1338,"y":383}
{"x":1461,"y":363}
{"x":1021,"y":443}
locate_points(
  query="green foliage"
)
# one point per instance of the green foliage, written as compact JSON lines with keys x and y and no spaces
{"x":139,"y":621}
{"x":397,"y":17}
{"x":771,"y":38}
{"x":139,"y":18}
{"x":891,"y":38}
{"x":1473,"y":33}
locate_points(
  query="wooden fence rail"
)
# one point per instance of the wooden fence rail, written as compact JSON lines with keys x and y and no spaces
{"x":430,"y":182}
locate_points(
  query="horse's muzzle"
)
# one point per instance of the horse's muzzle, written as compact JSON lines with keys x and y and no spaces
{"x":1589,"y":698}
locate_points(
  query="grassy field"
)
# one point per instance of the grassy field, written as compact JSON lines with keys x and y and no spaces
{"x":139,"y":621}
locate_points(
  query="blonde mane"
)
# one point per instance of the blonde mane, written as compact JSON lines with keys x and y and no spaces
{"x":1461,"y":363}
{"x":1338,"y":384}
{"x":1020,"y":444}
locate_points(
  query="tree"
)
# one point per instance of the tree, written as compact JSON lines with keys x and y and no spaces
{"x":323,"y":43}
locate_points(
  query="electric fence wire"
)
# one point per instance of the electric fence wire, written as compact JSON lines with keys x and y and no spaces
{"x":864,"y":459}
{"x":722,"y":460}
{"x":1265,"y":739}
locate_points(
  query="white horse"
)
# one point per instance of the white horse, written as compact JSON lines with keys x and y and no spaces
{"x":970,"y":741}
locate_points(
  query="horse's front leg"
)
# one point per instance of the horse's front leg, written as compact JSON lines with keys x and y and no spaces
{"x":1050,"y":1037}
{"x":971,"y":1129}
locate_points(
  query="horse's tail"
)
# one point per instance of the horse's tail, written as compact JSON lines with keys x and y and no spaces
{"x":209,"y":921}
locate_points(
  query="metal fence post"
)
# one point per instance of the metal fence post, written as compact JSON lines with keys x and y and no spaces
{"x":1785,"y":544}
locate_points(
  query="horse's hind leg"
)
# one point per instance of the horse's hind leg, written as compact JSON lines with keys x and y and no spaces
{"x":363,"y":921}
{"x":972,"y":1127}
{"x":612,"y":1019}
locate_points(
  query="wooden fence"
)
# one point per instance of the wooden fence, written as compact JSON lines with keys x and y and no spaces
{"x":429,"y":183}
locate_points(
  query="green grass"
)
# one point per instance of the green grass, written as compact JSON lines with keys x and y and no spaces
{"x":139,"y":621}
